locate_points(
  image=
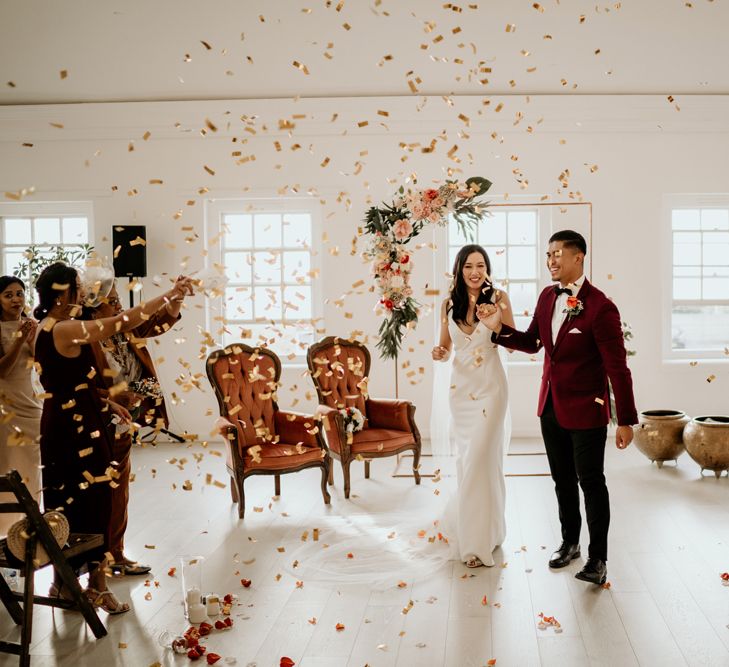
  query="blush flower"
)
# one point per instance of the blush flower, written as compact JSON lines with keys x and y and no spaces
{"x":402,"y":229}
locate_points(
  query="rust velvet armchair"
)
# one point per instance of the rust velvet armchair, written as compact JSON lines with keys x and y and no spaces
{"x":261,"y":439}
{"x":340,"y":370}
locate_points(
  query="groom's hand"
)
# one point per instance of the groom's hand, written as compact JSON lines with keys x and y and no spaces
{"x":490,"y":315}
{"x":623,"y":436}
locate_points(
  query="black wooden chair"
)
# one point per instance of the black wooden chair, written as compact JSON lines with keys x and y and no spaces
{"x":39,"y":533}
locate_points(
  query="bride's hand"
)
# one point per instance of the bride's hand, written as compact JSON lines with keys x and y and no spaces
{"x":439,"y":353}
{"x":490,"y":315}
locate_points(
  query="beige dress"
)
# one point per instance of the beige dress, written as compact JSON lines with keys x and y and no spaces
{"x":20,"y":414}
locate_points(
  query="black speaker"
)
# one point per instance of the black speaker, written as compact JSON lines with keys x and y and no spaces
{"x":130,"y":251}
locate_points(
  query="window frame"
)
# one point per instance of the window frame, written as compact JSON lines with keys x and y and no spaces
{"x":671,"y":203}
{"x":544,"y":231}
{"x":33,"y":210}
{"x":215,"y":208}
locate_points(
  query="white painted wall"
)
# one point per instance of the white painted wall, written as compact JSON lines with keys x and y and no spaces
{"x":643,"y":146}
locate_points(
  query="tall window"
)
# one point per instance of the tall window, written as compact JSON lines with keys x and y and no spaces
{"x":700,"y":285}
{"x":43,"y":225}
{"x":511,"y":239}
{"x":266,"y":251}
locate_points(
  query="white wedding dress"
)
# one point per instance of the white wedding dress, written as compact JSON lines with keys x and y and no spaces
{"x":478,"y":399}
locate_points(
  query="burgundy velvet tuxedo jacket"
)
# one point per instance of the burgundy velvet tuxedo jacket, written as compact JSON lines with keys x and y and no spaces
{"x":588,"y":350}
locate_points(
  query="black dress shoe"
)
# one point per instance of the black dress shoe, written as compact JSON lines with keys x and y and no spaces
{"x":564,"y":555}
{"x":594,"y":572}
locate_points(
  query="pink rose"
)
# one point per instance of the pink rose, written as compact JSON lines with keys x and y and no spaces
{"x":402,"y":229}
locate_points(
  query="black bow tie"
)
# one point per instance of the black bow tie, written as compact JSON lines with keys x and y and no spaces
{"x":562,"y":290}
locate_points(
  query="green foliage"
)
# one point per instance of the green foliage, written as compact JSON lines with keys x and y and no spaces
{"x":392,"y":329}
{"x":37,"y":258}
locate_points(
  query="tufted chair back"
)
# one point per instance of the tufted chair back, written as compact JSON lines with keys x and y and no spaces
{"x":245,"y":381}
{"x":340,"y":369}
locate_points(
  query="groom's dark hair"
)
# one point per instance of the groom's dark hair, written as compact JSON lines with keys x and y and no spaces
{"x":570,"y":239}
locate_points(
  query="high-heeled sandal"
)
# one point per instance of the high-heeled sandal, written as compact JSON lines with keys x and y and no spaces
{"x":105,"y":600}
{"x":475,"y":561}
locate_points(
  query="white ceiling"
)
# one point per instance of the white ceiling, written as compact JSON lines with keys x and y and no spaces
{"x":136,"y":50}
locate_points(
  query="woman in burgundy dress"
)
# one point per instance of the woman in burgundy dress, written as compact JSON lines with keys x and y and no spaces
{"x":76,"y":438}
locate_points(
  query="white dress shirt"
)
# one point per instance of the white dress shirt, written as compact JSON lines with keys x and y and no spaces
{"x":560,"y":305}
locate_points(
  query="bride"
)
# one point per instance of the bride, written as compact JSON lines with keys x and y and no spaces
{"x":478,"y":401}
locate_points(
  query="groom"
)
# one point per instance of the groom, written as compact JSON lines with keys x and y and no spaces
{"x":579,"y":328}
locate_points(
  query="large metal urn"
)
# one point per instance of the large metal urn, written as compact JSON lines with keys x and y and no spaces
{"x":707,"y":442}
{"x":659,"y":434}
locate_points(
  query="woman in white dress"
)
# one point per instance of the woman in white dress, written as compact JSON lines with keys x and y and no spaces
{"x":20,"y":410}
{"x":478,"y":401}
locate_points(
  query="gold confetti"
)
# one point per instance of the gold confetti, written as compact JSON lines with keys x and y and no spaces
{"x":64,"y":74}
{"x":510,"y":27}
{"x":300,"y":66}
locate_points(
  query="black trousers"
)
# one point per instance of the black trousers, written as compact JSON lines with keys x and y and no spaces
{"x":578,"y":456}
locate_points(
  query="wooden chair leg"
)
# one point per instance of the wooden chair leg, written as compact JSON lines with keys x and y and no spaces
{"x":241,"y":499}
{"x":26,"y":629}
{"x":331,"y":471}
{"x":277,"y":485}
{"x":416,"y":465}
{"x":367,"y":469}
{"x":325,"y":469}
{"x":345,"y":470}
{"x":83,"y":604}
{"x":233,"y":490}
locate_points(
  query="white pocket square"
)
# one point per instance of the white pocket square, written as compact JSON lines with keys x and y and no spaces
{"x":575,"y":330}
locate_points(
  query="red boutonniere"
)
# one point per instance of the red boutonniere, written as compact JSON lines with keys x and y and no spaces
{"x":574,"y":307}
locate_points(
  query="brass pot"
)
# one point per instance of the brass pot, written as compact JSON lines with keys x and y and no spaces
{"x":707,"y":442}
{"x":659,"y":434}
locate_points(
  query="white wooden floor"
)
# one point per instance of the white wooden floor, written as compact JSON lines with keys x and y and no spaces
{"x":666,"y":605}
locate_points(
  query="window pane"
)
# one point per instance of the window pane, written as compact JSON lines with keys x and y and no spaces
{"x":523,"y":228}
{"x":238,"y":304}
{"x":296,"y":266}
{"x":297,"y":230}
{"x":522,"y":262}
{"x":47,"y":230}
{"x":497,"y":256}
{"x":714,"y":218}
{"x":267,"y":230}
{"x":686,"y":248}
{"x":716,"y":248}
{"x":716,"y":288}
{"x":686,"y":271}
{"x":268,"y":302}
{"x":700,"y":327}
{"x":267,"y":267}
{"x":492,"y":231}
{"x":452,"y":257}
{"x":523,"y":298}
{"x":17,"y":230}
{"x":297,"y":303}
{"x":238,"y":267}
{"x":11,"y":260}
{"x":75,"y":230}
{"x":239,"y":233}
{"x":686,"y":288}
{"x":685,"y":219}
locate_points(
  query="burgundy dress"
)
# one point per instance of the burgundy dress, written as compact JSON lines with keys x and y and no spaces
{"x":75,"y":440}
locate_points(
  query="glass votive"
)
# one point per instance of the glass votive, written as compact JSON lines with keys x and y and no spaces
{"x":192,"y":567}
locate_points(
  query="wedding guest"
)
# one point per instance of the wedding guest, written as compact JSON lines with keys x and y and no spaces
{"x":124,"y":357}
{"x":76,"y":442}
{"x":20,"y":410}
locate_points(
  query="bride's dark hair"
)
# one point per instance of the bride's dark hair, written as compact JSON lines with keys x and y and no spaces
{"x":51,"y":278}
{"x":459,"y":298}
